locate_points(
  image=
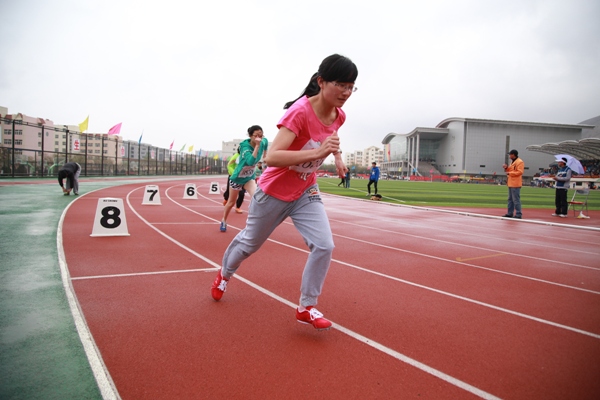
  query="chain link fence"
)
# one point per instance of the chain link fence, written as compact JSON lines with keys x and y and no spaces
{"x":36,"y":150}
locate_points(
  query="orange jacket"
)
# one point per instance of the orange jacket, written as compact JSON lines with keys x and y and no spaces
{"x":514,"y":172}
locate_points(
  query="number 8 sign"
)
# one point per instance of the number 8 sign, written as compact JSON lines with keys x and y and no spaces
{"x":110,"y":218}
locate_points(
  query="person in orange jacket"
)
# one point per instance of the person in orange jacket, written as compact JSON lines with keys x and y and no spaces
{"x":514,"y":173}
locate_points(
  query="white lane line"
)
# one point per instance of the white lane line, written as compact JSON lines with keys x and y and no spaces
{"x":412,"y":252}
{"x":472,"y":214}
{"x":425,"y":238}
{"x":174,"y":271}
{"x":423,"y":367}
{"x":467,"y":264}
{"x":105,"y":383}
{"x":468,"y":214}
{"x":436,"y":290}
{"x":181,"y":223}
{"x":493,"y":307}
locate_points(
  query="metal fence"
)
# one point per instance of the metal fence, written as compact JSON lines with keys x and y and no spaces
{"x":23,"y":154}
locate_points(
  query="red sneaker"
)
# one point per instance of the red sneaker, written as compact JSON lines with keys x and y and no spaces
{"x":313,"y":317}
{"x":218,"y":287}
{"x":238,"y":210}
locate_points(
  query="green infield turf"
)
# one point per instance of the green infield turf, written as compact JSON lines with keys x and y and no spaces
{"x":441,"y":194}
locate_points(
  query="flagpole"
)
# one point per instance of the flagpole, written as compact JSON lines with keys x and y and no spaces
{"x":140,"y":154}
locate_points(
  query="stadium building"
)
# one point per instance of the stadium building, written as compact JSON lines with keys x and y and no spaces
{"x":471,"y":146}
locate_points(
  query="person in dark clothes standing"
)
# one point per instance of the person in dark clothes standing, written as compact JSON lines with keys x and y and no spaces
{"x":562,"y":178}
{"x":373,"y":178}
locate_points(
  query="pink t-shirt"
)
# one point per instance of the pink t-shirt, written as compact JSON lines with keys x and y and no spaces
{"x":289,"y":183}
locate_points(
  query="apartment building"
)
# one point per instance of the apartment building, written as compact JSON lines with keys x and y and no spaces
{"x":364,"y":158}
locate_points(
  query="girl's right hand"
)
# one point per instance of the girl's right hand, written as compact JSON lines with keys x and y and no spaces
{"x":331,"y":144}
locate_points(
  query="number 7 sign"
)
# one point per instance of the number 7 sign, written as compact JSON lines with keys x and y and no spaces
{"x":151,"y":196}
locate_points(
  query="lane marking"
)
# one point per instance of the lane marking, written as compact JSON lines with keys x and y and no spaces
{"x":107,"y":387}
{"x":465,"y":245}
{"x":547,"y":238}
{"x":406,"y":251}
{"x":479,"y":258}
{"x":467,"y":264}
{"x":174,"y":271}
{"x":423,"y":367}
{"x":472,"y":214}
{"x":181,"y":223}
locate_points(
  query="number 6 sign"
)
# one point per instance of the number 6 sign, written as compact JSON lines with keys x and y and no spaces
{"x":190,"y":191}
{"x":110,"y":218}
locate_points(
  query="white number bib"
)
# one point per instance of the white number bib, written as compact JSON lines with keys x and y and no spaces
{"x":247,"y":171}
{"x":309,"y":166}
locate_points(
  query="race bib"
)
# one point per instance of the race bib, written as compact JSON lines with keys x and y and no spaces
{"x":247,"y":171}
{"x":309,"y":166}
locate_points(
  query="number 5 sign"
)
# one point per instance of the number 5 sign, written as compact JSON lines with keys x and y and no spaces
{"x":110,"y":218}
{"x":214,"y":188}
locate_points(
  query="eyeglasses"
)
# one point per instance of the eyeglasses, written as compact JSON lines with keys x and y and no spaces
{"x":343,"y":87}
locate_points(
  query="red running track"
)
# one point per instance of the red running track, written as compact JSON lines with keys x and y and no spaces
{"x":426,"y":304}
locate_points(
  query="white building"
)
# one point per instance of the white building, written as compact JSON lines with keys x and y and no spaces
{"x":230,"y":148}
{"x":364,"y":158}
{"x":473,"y":146}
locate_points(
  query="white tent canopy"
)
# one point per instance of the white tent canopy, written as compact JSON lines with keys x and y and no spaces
{"x":584,"y":149}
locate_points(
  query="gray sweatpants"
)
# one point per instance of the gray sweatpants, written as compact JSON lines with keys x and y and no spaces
{"x":309,"y":217}
{"x":75,"y":181}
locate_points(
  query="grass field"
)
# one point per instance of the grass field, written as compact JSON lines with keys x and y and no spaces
{"x":439,"y":194}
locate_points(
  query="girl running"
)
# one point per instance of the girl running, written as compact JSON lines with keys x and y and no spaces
{"x":288,"y":188}
{"x":251,"y":151}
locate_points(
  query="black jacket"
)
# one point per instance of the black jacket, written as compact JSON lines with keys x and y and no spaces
{"x":67,"y":171}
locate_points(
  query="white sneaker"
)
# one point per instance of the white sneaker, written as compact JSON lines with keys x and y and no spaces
{"x":562,"y":216}
{"x":555,"y":215}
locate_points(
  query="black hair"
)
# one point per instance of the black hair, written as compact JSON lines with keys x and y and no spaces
{"x":253,"y":129}
{"x":333,"y":68}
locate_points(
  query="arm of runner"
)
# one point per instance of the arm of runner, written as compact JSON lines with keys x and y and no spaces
{"x":280,"y":156}
{"x":340,"y":166}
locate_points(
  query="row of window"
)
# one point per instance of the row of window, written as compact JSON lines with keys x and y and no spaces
{"x":8,"y":142}
{"x":17,"y":132}
{"x":82,"y":145}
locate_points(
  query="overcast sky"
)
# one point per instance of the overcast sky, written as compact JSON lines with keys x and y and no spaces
{"x":201,"y":72}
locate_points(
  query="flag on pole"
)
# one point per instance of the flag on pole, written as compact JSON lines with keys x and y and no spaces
{"x":171,"y":146}
{"x":115,"y":130}
{"x":182,"y":148}
{"x":140,"y":141}
{"x":84,"y":125}
{"x":191,"y":149}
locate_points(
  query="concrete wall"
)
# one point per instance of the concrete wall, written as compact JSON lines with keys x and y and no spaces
{"x":481,"y":147}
